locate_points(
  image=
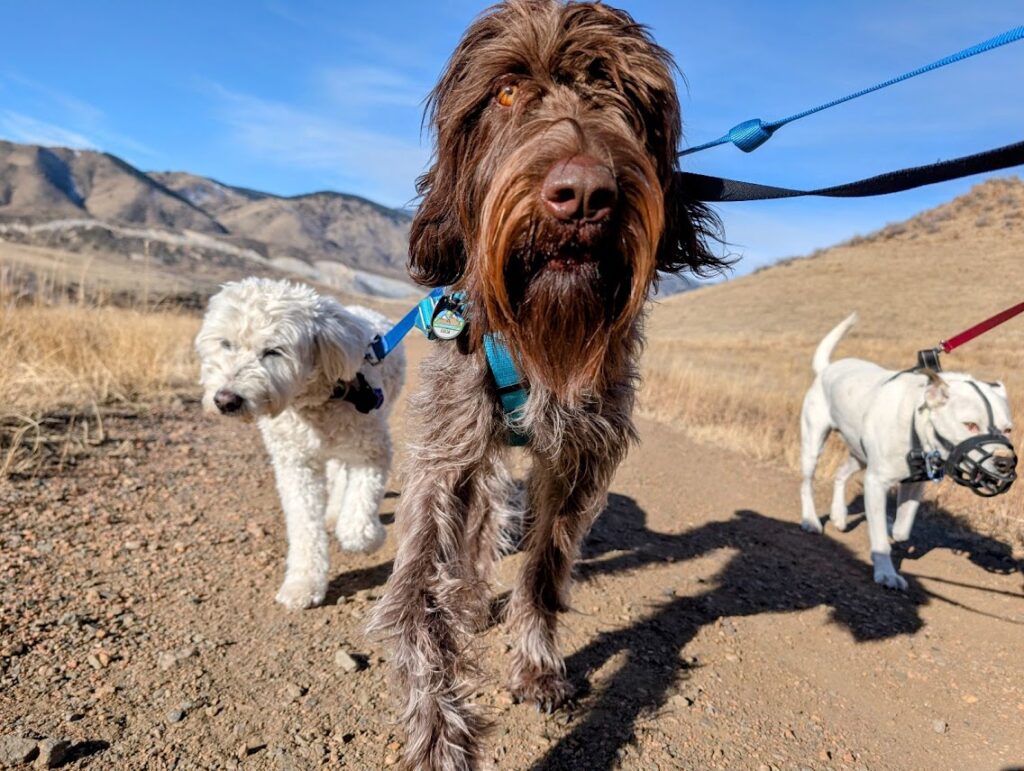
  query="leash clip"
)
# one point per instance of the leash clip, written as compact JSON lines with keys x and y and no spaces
{"x":929,"y":359}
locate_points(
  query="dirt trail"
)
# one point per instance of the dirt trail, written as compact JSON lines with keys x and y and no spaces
{"x":138,"y":622}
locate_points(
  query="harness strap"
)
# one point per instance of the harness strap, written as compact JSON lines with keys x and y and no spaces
{"x":988,"y":406}
{"x":358,"y":392}
{"x":924,"y":466}
{"x":513,"y":390}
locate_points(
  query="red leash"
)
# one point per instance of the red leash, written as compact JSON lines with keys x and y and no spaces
{"x":979,"y":329}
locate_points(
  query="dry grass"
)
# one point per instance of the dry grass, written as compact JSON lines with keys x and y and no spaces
{"x":65,"y":363}
{"x":730,"y":364}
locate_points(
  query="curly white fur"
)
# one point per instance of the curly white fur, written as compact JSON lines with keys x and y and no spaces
{"x":273,"y":351}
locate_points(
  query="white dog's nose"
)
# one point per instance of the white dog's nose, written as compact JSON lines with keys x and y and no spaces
{"x":1004,"y":464}
{"x":227,"y":401}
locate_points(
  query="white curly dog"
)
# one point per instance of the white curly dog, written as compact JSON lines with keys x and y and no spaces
{"x":292,"y":359}
{"x":873,"y":409}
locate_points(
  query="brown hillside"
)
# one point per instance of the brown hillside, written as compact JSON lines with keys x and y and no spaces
{"x":39,"y":184}
{"x":916,"y":281}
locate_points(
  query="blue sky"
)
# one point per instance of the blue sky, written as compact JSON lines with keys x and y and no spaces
{"x":291,"y":97}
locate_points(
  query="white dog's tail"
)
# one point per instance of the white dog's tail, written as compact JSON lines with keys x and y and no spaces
{"x":823,"y":355}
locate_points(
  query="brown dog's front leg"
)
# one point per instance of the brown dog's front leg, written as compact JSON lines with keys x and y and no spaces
{"x":436,"y":597}
{"x":565,"y":498}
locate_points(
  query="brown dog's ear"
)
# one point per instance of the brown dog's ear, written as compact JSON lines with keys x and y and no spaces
{"x":690,"y":230}
{"x":436,"y":252}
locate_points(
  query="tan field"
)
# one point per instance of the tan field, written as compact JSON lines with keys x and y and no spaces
{"x":730,"y":363}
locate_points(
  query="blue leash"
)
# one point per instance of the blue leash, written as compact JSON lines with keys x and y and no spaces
{"x":420,"y":316}
{"x":751,"y":134}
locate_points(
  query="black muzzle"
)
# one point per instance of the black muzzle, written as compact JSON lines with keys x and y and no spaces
{"x":974,"y":464}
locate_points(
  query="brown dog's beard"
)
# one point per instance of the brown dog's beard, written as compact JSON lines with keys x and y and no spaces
{"x":562,"y":293}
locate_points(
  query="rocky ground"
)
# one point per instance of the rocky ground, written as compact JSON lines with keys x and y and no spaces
{"x":139,"y":631}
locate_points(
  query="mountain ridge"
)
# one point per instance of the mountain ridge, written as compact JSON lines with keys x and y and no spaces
{"x":53,"y":184}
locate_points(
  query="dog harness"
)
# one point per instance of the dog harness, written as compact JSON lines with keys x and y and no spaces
{"x":442,"y":316}
{"x":359,"y":393}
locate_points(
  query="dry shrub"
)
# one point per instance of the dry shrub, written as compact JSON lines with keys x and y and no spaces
{"x":71,"y":356}
{"x":64,"y":364}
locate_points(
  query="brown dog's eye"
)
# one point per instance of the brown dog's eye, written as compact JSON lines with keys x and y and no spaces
{"x":507,"y":95}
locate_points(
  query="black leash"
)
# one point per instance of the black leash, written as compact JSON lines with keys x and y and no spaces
{"x":701,"y":187}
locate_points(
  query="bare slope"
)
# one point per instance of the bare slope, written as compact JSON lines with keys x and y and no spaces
{"x":39,"y":184}
{"x":915,"y":281}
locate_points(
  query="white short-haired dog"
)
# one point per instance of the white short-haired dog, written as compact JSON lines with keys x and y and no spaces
{"x":878,"y":412}
{"x":292,"y":359}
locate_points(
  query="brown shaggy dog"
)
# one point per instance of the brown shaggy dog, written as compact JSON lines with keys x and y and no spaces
{"x":551,"y":202}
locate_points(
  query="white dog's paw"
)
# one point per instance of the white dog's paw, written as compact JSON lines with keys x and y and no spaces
{"x":885,"y":573}
{"x":811,"y":525}
{"x":365,"y":536}
{"x":891,"y":580}
{"x":301,"y":593}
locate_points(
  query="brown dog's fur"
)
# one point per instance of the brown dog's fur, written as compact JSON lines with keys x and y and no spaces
{"x":568,"y":298}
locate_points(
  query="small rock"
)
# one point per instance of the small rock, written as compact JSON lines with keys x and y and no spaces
{"x":17,"y":749}
{"x":294,"y":691}
{"x":940,"y":726}
{"x":251,"y":747}
{"x":94,"y":661}
{"x":175,"y":715}
{"x":345,"y":661}
{"x":166,"y":661}
{"x":53,"y":753}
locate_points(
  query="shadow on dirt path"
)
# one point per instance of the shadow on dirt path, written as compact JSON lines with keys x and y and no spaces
{"x":778,"y":568}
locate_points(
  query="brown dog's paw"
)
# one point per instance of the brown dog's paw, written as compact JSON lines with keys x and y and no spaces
{"x":547,"y":690}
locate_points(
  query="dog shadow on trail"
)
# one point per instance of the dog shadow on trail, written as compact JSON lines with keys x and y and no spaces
{"x":939,"y":528}
{"x":776,"y":568}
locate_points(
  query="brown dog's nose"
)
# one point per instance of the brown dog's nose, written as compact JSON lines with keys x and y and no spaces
{"x":580,"y":188}
{"x":227,"y":401}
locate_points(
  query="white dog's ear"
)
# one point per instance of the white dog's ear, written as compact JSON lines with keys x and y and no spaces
{"x":338,"y":340}
{"x":937,"y":392}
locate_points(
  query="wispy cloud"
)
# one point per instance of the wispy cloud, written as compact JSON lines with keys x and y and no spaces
{"x":381,"y":166}
{"x":83,"y":125}
{"x":363,"y":88}
{"x":24,"y":128}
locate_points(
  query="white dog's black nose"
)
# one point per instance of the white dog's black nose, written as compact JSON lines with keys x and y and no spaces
{"x":227,"y":401}
{"x":1004,"y":464}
